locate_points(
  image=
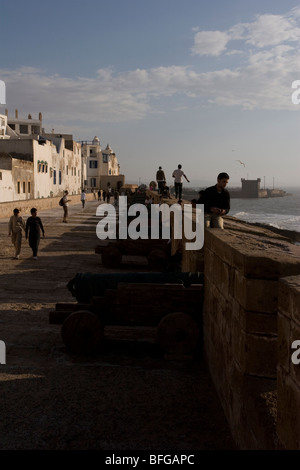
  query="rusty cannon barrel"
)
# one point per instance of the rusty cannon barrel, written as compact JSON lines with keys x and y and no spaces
{"x":84,"y":286}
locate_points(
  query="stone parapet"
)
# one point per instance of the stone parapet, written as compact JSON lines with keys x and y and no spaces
{"x":6,"y":208}
{"x":288,"y":372}
{"x":245,"y":269}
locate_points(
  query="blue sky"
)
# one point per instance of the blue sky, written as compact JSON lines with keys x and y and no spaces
{"x":202,"y":83}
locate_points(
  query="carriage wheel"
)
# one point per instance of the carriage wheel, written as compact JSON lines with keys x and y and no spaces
{"x":82,"y":332}
{"x":178,"y":333}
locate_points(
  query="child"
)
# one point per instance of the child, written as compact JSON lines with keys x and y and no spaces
{"x":34,"y":226}
{"x":15,"y":226}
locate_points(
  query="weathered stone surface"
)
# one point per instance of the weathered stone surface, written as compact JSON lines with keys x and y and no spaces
{"x":288,"y":411}
{"x":256,"y":295}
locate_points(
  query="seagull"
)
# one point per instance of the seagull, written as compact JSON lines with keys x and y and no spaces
{"x":240,"y":162}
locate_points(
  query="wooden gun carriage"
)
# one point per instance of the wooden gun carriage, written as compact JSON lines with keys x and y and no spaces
{"x":171,"y":302}
{"x":158,"y":252}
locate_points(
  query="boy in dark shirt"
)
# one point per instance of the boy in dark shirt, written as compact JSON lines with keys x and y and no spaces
{"x":216,"y":200}
{"x":33,"y":229}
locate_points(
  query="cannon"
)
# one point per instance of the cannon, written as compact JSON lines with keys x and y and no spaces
{"x":84,"y":286}
{"x":156,"y":251}
{"x":171,"y":304}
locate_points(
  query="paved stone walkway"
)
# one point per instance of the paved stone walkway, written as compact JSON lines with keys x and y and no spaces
{"x":126,"y":397}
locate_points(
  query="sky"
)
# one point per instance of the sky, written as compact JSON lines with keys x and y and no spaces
{"x":204,"y":84}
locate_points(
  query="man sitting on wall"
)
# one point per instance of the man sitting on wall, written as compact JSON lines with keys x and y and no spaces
{"x":216,"y":200}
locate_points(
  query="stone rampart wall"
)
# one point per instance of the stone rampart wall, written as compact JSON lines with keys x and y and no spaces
{"x":6,"y":208}
{"x":288,"y":368}
{"x":251,"y":300}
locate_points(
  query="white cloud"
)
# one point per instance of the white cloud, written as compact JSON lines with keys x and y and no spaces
{"x":270,"y":30}
{"x":210,"y":43}
{"x":260,"y":79}
{"x":265,"y":30}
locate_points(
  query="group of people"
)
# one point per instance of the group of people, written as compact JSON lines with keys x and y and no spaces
{"x":216,"y":201}
{"x":32,"y":229}
{"x":162,"y":187}
{"x":216,"y":198}
{"x":106,"y":196}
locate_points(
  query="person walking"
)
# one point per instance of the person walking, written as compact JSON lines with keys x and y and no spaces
{"x":178,"y":174}
{"x":83,"y":198}
{"x":160,"y":179}
{"x":33,"y":230}
{"x":99,"y":194}
{"x":216,"y":200}
{"x":16,"y":225}
{"x":66,"y":205}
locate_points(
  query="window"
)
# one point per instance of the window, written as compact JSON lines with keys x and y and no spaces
{"x":54,"y":176}
{"x":67,"y":169}
{"x":23,"y":129}
{"x":28,"y":187}
{"x":93,"y":164}
{"x":24,"y":187}
{"x":59,"y":177}
{"x":0,"y":175}
{"x":39,"y":167}
{"x":93,"y":182}
{"x":19,"y":187}
{"x":105,"y":158}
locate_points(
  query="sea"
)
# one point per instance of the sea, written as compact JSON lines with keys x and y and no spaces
{"x":279,"y":212}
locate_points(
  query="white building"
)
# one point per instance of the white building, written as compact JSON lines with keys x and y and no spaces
{"x":102,"y":166}
{"x":35,"y":164}
{"x":3,"y":127}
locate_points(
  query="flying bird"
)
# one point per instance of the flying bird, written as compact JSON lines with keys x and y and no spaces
{"x":241,"y":162}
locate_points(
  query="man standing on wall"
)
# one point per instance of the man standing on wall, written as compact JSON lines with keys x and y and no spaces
{"x":177,"y":175}
{"x":160,"y":178}
{"x":216,"y":200}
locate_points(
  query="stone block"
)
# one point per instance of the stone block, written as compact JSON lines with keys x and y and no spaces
{"x":284,"y":342}
{"x":221,"y":275}
{"x":256,"y":354}
{"x":256,"y":295}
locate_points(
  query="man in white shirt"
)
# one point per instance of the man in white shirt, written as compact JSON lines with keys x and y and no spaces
{"x":177,"y":175}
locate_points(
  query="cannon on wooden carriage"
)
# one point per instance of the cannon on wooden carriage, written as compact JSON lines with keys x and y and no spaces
{"x":171,"y":303}
{"x":157,"y":252}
